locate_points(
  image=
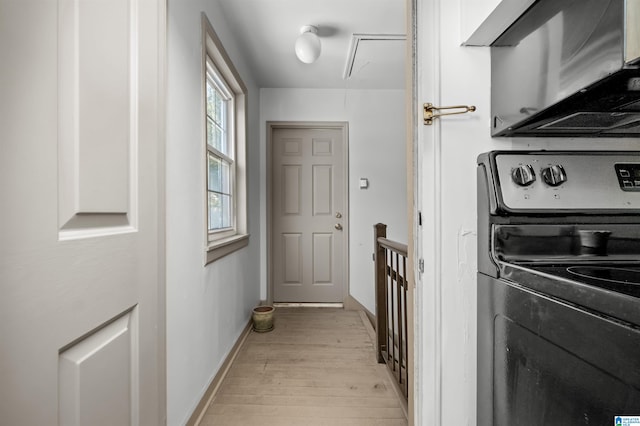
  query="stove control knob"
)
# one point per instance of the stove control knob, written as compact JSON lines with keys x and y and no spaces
{"x":554,"y":175}
{"x":523,"y":175}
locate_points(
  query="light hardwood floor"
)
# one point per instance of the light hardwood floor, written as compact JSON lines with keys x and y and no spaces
{"x":317,"y":367}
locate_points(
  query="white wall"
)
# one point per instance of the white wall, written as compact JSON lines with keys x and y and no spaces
{"x":446,"y":296}
{"x":207,"y":307}
{"x":376,"y":151}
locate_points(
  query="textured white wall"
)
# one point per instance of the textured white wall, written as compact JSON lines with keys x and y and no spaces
{"x":376,"y":152}
{"x":207,"y":307}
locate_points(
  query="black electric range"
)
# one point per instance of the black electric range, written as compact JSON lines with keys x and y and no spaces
{"x":558,"y":287}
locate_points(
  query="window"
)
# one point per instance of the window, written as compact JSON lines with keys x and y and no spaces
{"x":224,"y":127}
{"x":220,"y":154}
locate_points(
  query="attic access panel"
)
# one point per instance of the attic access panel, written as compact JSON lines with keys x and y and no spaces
{"x":377,"y":59}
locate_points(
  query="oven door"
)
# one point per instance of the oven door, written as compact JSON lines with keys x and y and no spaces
{"x":544,"y":362}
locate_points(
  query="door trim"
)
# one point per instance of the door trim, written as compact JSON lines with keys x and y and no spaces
{"x":428,"y":338}
{"x":340,"y":125}
{"x":413,"y":341}
{"x":162,"y":210}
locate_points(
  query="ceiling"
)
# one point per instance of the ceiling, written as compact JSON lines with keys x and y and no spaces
{"x":267,"y":29}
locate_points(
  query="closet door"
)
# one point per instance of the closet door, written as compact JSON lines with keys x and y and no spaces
{"x":80,"y":263}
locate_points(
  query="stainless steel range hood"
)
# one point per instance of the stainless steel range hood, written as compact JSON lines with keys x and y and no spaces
{"x":568,"y":68}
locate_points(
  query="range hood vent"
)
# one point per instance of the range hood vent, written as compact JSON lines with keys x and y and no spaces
{"x":598,"y":121}
{"x":567,"y":68}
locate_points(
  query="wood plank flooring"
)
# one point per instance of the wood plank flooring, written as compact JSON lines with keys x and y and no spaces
{"x":317,"y":367}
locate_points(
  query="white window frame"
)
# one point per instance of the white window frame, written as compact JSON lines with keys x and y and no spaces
{"x":214,"y":79}
{"x":217,"y":64}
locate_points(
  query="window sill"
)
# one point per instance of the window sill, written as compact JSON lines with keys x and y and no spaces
{"x":221,"y":248}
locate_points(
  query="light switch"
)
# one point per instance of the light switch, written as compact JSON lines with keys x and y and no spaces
{"x":364,"y":183}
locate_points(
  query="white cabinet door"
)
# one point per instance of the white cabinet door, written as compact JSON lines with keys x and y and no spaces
{"x":80,"y":269}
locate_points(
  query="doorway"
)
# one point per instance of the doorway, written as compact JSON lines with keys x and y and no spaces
{"x":308,"y":221}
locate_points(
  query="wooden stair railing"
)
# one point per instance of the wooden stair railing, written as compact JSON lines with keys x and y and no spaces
{"x":391,"y":305}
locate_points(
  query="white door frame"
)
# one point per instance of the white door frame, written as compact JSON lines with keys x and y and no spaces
{"x":426,"y":200}
{"x":340,"y":125}
{"x":413,"y":339}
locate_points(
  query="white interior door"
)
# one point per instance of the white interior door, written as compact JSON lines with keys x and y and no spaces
{"x":80,"y":269}
{"x":308,"y":215}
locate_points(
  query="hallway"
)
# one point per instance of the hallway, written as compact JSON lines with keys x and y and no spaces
{"x":317,"y":367}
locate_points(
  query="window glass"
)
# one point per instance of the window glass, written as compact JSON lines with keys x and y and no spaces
{"x":220,"y":164}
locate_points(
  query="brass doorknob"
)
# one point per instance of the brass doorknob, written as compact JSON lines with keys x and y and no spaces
{"x":338,"y":227}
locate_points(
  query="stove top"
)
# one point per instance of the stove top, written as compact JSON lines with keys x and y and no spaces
{"x":608,"y":274}
{"x":623,"y":279}
{"x":611,"y":290}
{"x":564,"y":224}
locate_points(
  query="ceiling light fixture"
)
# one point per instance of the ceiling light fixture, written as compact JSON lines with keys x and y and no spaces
{"x":308,"y":44}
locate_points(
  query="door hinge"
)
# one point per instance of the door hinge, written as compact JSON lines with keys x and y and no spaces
{"x":421,"y":266}
{"x":428,"y":111}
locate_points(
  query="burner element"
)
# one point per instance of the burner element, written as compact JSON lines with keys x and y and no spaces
{"x":606,"y":273}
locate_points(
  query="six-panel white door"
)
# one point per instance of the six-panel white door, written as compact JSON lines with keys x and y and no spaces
{"x":80,"y":268}
{"x":308,"y":215}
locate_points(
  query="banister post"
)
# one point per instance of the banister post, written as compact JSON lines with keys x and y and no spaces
{"x":380,"y":230}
